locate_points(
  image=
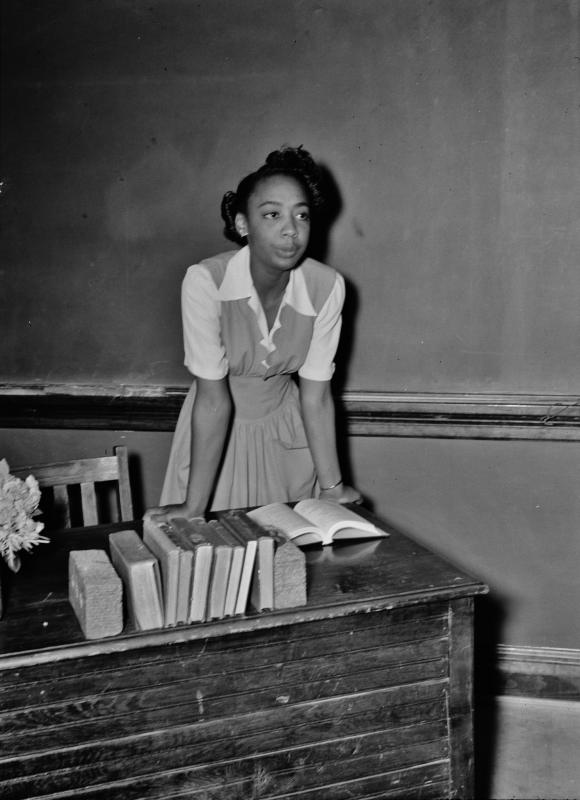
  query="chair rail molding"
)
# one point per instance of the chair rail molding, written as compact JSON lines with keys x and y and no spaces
{"x":156,"y":407}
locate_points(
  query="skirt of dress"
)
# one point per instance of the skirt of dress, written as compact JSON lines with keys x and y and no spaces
{"x":267,"y":458}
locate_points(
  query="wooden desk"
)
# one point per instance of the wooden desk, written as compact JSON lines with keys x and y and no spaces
{"x":365,"y":692}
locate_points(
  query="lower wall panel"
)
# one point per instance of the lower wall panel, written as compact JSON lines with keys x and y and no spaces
{"x":535,"y":749}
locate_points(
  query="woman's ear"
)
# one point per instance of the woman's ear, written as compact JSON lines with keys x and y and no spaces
{"x":241,"y":225}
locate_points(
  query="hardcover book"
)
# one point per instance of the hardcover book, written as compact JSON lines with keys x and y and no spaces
{"x":261,"y":588}
{"x":237,"y":563}
{"x":220,"y":570}
{"x":139,"y":571}
{"x":168,"y":554}
{"x":185,"y":570}
{"x":200,"y":552}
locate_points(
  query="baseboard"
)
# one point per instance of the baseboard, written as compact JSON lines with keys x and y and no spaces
{"x":155,"y":408}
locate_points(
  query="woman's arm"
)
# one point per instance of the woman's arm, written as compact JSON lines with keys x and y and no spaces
{"x":210,"y":418}
{"x":319,"y":422}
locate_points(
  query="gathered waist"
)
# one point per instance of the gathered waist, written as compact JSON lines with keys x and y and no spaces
{"x":255,"y":398}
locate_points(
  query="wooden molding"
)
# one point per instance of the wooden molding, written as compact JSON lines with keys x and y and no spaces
{"x":463,"y":416}
{"x":155,"y":408}
{"x":538,"y":672}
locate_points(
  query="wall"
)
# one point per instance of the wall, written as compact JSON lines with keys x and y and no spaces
{"x":450,"y":127}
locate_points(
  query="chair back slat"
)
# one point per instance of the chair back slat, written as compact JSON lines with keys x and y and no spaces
{"x":125,"y":497}
{"x":62,"y":503}
{"x":85,"y":472}
{"x":89,"y":504}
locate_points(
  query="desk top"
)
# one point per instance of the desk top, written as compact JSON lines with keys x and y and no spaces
{"x":39,"y":624}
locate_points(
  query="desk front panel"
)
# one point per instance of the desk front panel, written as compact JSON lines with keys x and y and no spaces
{"x":360,"y":706}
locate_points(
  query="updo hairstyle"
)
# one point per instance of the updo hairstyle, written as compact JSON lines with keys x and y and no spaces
{"x":294,"y":162}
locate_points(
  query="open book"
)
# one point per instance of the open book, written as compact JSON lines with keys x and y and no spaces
{"x":315,"y":522}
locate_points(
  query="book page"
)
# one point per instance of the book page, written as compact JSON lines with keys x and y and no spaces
{"x":336,"y":521}
{"x":293,"y":525}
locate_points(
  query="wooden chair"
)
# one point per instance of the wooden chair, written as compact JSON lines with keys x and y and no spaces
{"x":85,"y":473}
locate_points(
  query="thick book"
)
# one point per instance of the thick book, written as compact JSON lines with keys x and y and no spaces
{"x":168,"y":553}
{"x":315,"y":522}
{"x":200,"y":553}
{"x":139,"y":570}
{"x":261,"y":588}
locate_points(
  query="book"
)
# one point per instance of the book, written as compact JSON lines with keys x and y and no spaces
{"x":220,"y":570}
{"x":200,"y":554}
{"x":260,"y":596}
{"x":184,"y":571}
{"x":168,"y":553}
{"x":236,"y":566}
{"x":315,"y":521}
{"x":249,"y":541}
{"x":139,"y":570}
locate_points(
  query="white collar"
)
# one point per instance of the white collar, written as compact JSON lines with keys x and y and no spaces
{"x":237,"y":285}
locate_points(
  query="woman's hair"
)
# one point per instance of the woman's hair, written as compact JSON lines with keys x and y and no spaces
{"x":294,"y":162}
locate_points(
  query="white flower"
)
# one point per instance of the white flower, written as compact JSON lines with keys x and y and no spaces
{"x":18,"y":506}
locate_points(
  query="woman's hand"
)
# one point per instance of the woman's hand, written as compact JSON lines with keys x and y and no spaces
{"x":341,"y":494}
{"x":166,"y":513}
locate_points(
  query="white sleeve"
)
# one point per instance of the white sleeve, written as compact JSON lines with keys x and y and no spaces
{"x":205,"y":354}
{"x":319,"y":362}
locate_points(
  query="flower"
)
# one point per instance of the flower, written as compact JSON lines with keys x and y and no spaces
{"x":18,"y":506}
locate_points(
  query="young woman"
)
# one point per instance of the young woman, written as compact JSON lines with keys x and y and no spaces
{"x":254,"y":319}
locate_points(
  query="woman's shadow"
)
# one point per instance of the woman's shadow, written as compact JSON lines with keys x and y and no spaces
{"x":318,"y":249}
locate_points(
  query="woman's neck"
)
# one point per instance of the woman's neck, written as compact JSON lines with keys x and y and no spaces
{"x":270,"y":290}
{"x":270,"y":286}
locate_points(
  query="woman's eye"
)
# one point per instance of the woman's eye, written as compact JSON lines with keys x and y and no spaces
{"x":304,"y":216}
{"x":271,"y":215}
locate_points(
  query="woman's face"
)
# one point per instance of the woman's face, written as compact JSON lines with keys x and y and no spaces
{"x":277,"y":223}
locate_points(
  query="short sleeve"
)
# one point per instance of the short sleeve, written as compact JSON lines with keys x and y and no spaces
{"x":319,"y":362}
{"x":205,"y":354}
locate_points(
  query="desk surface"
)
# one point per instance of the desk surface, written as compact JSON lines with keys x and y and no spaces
{"x":39,"y":624}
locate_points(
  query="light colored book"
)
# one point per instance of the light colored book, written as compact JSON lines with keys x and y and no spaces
{"x":139,"y":570}
{"x":261,"y":589}
{"x":315,"y":521}
{"x":246,"y":533}
{"x":175,"y":535}
{"x":236,"y":566}
{"x":168,"y":554}
{"x":220,"y":571}
{"x":200,"y":554}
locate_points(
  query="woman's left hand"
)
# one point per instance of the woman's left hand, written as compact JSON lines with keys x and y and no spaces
{"x":342,"y":494}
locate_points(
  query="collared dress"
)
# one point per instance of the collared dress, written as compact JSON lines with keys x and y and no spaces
{"x":225,"y":333}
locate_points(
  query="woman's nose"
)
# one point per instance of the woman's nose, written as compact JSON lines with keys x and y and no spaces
{"x":289,"y":228}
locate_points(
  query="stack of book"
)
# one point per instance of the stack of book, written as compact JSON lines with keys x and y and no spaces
{"x":211,"y":570}
{"x":187,"y":571}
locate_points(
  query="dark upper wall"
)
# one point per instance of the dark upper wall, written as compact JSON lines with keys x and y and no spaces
{"x":452,"y":129}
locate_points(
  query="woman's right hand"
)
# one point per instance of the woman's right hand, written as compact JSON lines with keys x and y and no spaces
{"x":341,"y":493}
{"x":161,"y":514}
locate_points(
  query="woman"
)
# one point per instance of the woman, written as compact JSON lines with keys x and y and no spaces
{"x":249,"y":433}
